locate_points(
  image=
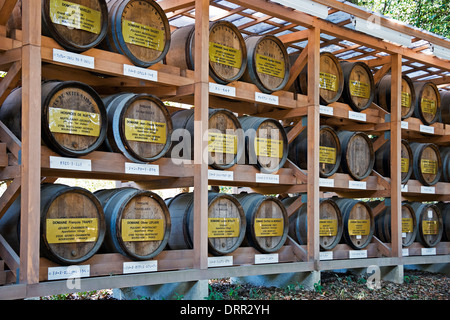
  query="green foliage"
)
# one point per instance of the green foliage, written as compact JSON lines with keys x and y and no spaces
{"x":430,"y":15}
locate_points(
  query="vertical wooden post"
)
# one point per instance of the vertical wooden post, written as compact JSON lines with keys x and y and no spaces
{"x":201,"y":103}
{"x":396,"y":162}
{"x":31,"y":142}
{"x":313,"y":144}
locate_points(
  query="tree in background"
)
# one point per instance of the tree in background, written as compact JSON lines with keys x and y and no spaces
{"x":430,"y":15}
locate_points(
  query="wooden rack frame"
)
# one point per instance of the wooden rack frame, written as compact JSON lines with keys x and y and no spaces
{"x":27,"y":58}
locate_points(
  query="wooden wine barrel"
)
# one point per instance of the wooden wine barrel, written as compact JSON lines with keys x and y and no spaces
{"x":138,"y":29}
{"x":330,"y":223}
{"x":383,"y":95}
{"x":358,"y":156}
{"x":139,"y":126}
{"x":266,"y":144}
{"x":429,"y":223}
{"x":383,"y":160}
{"x":444,"y":207}
{"x":137,"y":222}
{"x":77,"y":25}
{"x":225,"y":139}
{"x":72,"y":224}
{"x":358,"y":222}
{"x":226,"y":222}
{"x":427,"y":106}
{"x":267,"y":63}
{"x":329,"y":153}
{"x":427,"y":163}
{"x":359,"y":86}
{"x":331,"y":78}
{"x":227,"y":51}
{"x":445,"y":107}
{"x":383,"y":224}
{"x":73,"y":117}
{"x":445,"y":157}
{"x":267,"y":221}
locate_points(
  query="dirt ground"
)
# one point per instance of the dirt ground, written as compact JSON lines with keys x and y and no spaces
{"x":418,"y":285}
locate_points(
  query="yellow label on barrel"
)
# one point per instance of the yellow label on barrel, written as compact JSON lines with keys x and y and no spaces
{"x":327,"y":155}
{"x":223,"y":227}
{"x":428,"y":106}
{"x":269,"y":148}
{"x":145,"y":131}
{"x":270,"y":66}
{"x":268,"y":227}
{"x":75,"y":16}
{"x":328,"y":81}
{"x":142,"y":35}
{"x":406,"y":99}
{"x":407,"y":225}
{"x":428,"y":166}
{"x":358,"y":227}
{"x":71,"y":230}
{"x":430,"y":227}
{"x":222,"y":143}
{"x":405,"y":165}
{"x":225,"y":55}
{"x":73,"y":122}
{"x":359,"y":89}
{"x":327,"y":227}
{"x":142,"y":229}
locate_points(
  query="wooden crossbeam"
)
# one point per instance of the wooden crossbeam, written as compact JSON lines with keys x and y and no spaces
{"x":297,"y":67}
{"x":6,"y":8}
{"x":10,"y":81}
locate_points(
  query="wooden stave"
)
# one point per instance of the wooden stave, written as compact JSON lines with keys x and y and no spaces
{"x":250,"y":201}
{"x":419,"y":87}
{"x":114,"y":202}
{"x":10,"y":224}
{"x":417,"y":149}
{"x":249,"y":126}
{"x":347,"y":67}
{"x":10,"y":115}
{"x":298,"y":151}
{"x":345,"y":205}
{"x":184,"y":37}
{"x":300,"y":83}
{"x":114,"y":41}
{"x":445,"y":107}
{"x":445,"y":156}
{"x":383,"y":94}
{"x":344,"y":137}
{"x":383,"y":161}
{"x":298,"y":227}
{"x":116,"y":106}
{"x":184,"y":119}
{"x":182,"y":234}
{"x":444,"y":207}
{"x":250,"y":74}
{"x":383,"y":224}
{"x":419,"y":210}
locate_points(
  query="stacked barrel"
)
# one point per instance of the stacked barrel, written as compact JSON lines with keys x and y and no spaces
{"x":139,"y":224}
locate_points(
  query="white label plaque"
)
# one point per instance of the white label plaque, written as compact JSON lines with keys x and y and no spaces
{"x":140,"y":266}
{"x":266,"y":258}
{"x":141,"y":73}
{"x":73,"y":59}
{"x":324,"y":182}
{"x":424,"y":189}
{"x":72,"y":272}
{"x":267,"y":178}
{"x":138,"y":168}
{"x":357,"y":116}
{"x":357,"y":184}
{"x":224,"y":261}
{"x":220,"y":175}
{"x":70,"y":163}
{"x":221,"y":89}
{"x":426,"y":129}
{"x":266,"y":98}
{"x":357,"y":254}
{"x":326,"y":110}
